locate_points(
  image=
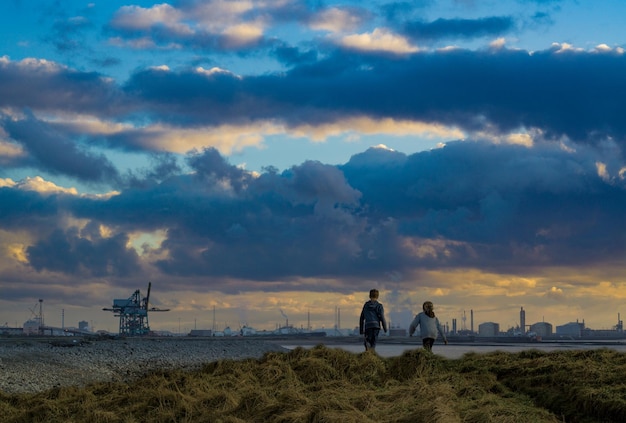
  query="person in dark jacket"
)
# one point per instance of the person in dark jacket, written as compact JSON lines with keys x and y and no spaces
{"x":372,"y":317}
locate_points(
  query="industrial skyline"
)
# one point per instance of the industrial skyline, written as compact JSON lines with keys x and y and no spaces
{"x":134,"y":321}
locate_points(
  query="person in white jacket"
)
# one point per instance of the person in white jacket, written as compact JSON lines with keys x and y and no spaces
{"x":429,"y":326}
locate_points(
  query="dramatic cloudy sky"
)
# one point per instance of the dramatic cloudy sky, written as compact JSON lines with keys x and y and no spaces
{"x":275,"y":158}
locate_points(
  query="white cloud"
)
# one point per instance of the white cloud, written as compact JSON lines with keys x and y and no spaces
{"x":87,"y":124}
{"x":243,"y":34}
{"x":380,"y":39}
{"x":215,"y":70}
{"x":214,"y":16}
{"x":225,"y":138}
{"x":603,"y":48}
{"x":7,"y":182}
{"x":8,"y":149}
{"x":30,"y":63}
{"x":139,"y":18}
{"x":42,"y":186}
{"x":563,"y":47}
{"x":498,"y":43}
{"x":225,"y":18}
{"x":520,"y":139}
{"x":383,"y":147}
{"x":334,"y":20}
{"x":602,"y":171}
{"x":368,"y":126}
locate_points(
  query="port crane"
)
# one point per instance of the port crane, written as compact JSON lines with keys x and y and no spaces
{"x":133,"y":313}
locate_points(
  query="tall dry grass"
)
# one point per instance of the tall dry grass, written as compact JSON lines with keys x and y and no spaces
{"x":331,"y":385}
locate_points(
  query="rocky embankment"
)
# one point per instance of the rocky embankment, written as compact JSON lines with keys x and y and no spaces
{"x":36,"y":365}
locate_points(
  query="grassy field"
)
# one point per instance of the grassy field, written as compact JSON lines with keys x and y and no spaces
{"x":330,"y":385}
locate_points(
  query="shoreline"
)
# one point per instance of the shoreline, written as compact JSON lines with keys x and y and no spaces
{"x":35,"y":364}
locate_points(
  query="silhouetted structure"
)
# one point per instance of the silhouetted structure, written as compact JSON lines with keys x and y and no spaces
{"x":133,"y":313}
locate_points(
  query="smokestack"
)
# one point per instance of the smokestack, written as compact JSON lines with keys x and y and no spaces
{"x":472,"y":319}
{"x":522,"y":320}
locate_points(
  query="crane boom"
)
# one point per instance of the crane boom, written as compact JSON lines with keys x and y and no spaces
{"x":148,"y":295}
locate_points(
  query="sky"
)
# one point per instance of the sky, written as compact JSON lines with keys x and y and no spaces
{"x":264,"y":162}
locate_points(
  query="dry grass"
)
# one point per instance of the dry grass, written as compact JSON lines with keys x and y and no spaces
{"x":331,"y":385}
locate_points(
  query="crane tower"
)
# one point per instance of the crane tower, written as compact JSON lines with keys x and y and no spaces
{"x":133,"y":313}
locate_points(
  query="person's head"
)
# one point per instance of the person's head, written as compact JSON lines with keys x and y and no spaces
{"x":373,"y":294}
{"x":428,"y":308}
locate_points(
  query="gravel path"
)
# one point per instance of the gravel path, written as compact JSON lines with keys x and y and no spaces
{"x":35,"y":365}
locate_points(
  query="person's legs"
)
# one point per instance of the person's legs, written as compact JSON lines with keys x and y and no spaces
{"x":374,"y":338}
{"x":428,"y":343}
{"x":370,"y":338}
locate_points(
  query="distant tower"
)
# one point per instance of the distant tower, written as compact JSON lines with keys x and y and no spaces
{"x":522,"y":320}
{"x":454,"y":325}
{"x":472,"y":320}
{"x":337,"y":320}
{"x":41,"y":313}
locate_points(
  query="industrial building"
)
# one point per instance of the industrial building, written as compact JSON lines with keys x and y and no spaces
{"x":489,"y":329}
{"x":541,"y":329}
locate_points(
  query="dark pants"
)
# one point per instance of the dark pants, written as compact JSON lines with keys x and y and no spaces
{"x":428,"y":343}
{"x":371,"y":335}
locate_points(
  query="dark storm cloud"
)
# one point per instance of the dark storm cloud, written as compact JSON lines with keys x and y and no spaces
{"x":84,"y":252}
{"x":55,"y":152}
{"x":43,"y":85}
{"x":459,"y":28}
{"x":501,"y":207}
{"x":211,"y":166}
{"x":468,"y":205}
{"x":577,"y":94}
{"x":220,"y":224}
{"x":25,"y":209}
{"x":298,"y":223}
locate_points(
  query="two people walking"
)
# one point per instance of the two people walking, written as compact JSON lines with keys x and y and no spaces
{"x":373,"y":318}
